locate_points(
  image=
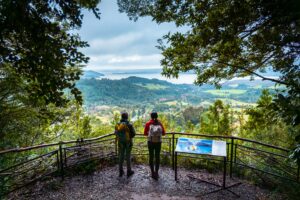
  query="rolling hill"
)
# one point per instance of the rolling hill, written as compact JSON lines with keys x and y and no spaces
{"x":141,"y":91}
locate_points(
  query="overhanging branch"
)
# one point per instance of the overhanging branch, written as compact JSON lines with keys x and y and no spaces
{"x":256,"y":74}
{"x":263,"y":77}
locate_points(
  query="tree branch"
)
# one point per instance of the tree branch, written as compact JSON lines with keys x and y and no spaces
{"x":262,"y":77}
{"x":256,"y":74}
{"x":255,"y":28}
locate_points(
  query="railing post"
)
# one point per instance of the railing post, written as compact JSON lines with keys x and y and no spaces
{"x":298,"y":180}
{"x":231,"y":156}
{"x":227,"y":150}
{"x":169,"y":141}
{"x":235,"y":148}
{"x":173,"y":149}
{"x":175,"y":166}
{"x":61,"y":161}
{"x":58,"y":162}
{"x":65,"y":157}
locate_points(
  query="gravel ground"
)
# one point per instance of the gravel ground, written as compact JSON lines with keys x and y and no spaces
{"x":106,"y":184}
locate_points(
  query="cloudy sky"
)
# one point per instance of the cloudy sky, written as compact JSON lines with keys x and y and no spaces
{"x":118,"y":43}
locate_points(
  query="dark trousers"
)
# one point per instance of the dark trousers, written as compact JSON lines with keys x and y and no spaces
{"x":124,"y":153}
{"x":154,"y":150}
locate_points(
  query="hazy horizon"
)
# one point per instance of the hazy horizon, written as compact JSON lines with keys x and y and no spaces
{"x":184,"y":78}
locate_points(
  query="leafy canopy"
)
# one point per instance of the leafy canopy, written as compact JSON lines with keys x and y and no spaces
{"x":227,"y":39}
{"x":37,"y":43}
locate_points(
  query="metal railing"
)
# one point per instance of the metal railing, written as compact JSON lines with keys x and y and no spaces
{"x":251,"y":154}
{"x":20,"y":167}
{"x":23,"y":166}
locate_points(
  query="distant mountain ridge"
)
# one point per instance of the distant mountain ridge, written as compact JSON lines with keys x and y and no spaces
{"x":142,"y":91}
{"x":267,"y":72}
{"x":91,"y":74}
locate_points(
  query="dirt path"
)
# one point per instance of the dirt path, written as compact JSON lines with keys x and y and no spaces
{"x":106,"y":184}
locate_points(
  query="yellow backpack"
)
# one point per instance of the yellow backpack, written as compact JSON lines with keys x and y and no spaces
{"x":123,"y":132}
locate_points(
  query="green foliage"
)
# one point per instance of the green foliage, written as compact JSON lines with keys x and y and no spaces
{"x":154,"y":86}
{"x":86,"y":129}
{"x":74,"y":124}
{"x":87,"y":167}
{"x":231,"y":45}
{"x":189,"y":127}
{"x":199,"y":162}
{"x":296,"y":155}
{"x":227,"y":39}
{"x":264,"y":124}
{"x":261,"y":116}
{"x":45,"y":57}
{"x":30,"y":125}
{"x":288,"y":107}
{"x":37,"y":67}
{"x":124,"y":92}
{"x":217,"y":119}
{"x":139,"y":125}
{"x":192,"y":114}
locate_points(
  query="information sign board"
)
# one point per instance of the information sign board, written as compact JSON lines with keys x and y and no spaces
{"x":201,"y":146}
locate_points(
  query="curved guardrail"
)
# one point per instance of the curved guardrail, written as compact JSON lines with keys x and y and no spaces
{"x":23,"y":166}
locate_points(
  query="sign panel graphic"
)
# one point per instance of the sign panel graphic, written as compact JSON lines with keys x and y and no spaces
{"x":190,"y":145}
{"x":201,"y":146}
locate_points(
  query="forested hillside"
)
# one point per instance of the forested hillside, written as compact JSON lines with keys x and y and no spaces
{"x":239,"y":108}
{"x":141,"y":91}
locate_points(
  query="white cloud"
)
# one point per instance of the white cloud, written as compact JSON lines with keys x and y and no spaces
{"x":123,"y":59}
{"x":134,"y":59}
{"x":112,"y":61}
{"x":116,"y":42}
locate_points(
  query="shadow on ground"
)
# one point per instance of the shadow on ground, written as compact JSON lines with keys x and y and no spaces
{"x":106,"y":184}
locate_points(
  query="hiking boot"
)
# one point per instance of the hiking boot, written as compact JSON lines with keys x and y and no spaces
{"x":130,"y":173}
{"x":154,"y":175}
{"x":121,"y":173}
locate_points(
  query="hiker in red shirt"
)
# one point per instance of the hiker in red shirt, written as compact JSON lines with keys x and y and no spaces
{"x":154,"y":131}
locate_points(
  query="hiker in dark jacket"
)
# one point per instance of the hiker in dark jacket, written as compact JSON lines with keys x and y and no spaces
{"x":154,"y":131}
{"x":125,"y":132}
